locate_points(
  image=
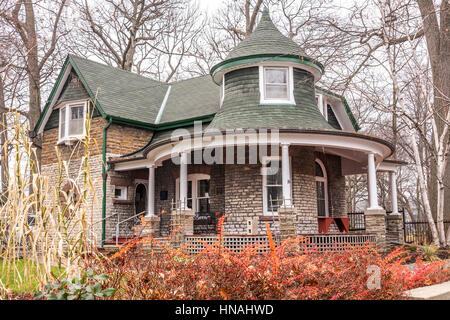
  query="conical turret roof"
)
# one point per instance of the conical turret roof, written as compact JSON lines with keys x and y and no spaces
{"x":266,"y":43}
{"x":265,"y":39}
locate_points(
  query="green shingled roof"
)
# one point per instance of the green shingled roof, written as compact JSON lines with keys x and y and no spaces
{"x":191,"y":98}
{"x":121,"y":93}
{"x":130,"y":96}
{"x":137,"y":99}
{"x":265,"y":39}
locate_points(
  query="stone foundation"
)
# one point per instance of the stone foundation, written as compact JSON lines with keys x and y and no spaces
{"x":394,"y":228}
{"x":376,"y":224}
{"x":181,"y":225}
{"x":287,"y":222}
{"x":150,"y":227}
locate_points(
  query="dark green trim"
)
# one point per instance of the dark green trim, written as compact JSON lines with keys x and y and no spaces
{"x":133,"y":123}
{"x":163,"y":126}
{"x":277,"y":104}
{"x":185,"y":122}
{"x":104,"y":172}
{"x":347,"y":107}
{"x":266,"y":57}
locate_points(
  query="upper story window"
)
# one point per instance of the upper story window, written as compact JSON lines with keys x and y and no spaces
{"x":71,"y":121}
{"x":276,"y":85}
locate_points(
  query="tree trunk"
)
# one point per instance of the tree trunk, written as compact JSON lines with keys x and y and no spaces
{"x":34,"y":85}
{"x":438,"y":45}
{"x":4,"y":148}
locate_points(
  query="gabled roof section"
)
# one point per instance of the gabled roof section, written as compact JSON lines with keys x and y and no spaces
{"x":265,"y":39}
{"x":136,"y":100}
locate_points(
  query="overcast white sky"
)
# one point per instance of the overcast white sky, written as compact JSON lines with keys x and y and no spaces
{"x":210,"y":5}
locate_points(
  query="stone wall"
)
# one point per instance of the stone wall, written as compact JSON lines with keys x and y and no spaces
{"x":94,"y":200}
{"x":304,"y":190}
{"x":243,"y":196}
{"x":121,"y":140}
{"x":165,"y":177}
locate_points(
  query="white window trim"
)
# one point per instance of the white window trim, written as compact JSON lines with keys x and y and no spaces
{"x":222,"y":92}
{"x":290,"y":82}
{"x":67,"y":139}
{"x":323,"y":179}
{"x":124,"y":195}
{"x":266,"y":159}
{"x":321,"y":105}
{"x":194,"y":177}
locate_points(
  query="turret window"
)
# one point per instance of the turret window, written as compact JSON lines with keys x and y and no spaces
{"x":276,"y":85}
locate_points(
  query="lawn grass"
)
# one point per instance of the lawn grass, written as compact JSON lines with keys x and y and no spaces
{"x":22,"y":276}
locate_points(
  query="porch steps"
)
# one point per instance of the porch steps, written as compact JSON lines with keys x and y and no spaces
{"x":111,"y":247}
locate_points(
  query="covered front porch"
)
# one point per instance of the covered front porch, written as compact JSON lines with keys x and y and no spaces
{"x":296,"y":187}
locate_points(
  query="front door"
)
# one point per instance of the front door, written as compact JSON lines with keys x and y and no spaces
{"x":140,"y":200}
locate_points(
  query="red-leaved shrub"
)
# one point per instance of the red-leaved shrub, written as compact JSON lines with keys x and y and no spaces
{"x":286,"y":271}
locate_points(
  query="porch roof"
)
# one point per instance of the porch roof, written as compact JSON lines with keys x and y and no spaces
{"x":331,"y":141}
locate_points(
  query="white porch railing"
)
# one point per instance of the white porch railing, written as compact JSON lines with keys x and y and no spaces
{"x":319,"y":242}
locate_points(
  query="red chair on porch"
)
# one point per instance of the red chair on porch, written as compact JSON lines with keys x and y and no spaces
{"x":325,"y":223}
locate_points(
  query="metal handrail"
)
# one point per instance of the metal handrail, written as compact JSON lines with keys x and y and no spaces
{"x":127,"y":219}
{"x":91,"y":225}
{"x":179,"y":205}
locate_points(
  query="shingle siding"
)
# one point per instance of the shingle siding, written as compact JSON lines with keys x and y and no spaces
{"x":241,"y":107}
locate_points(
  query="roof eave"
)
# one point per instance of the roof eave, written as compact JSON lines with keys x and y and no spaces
{"x":391,"y":147}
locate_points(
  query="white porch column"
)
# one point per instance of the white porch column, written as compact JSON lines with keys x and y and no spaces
{"x":393,"y":175}
{"x":372,"y":182}
{"x":286,"y":175}
{"x":183,"y":180}
{"x":151,"y":191}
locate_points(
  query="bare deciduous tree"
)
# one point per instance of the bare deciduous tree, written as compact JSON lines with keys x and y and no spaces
{"x":38,"y":41}
{"x":115,"y":31}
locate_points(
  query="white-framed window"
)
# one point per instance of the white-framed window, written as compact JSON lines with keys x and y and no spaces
{"x":276,"y":85}
{"x":121,"y":193}
{"x":71,"y":121}
{"x":322,"y":105}
{"x":321,"y":188}
{"x":197,"y":193}
{"x":272,"y":184}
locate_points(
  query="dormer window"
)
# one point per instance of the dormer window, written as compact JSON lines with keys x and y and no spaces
{"x":276,"y":85}
{"x":322,"y":105}
{"x":71,"y":121}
